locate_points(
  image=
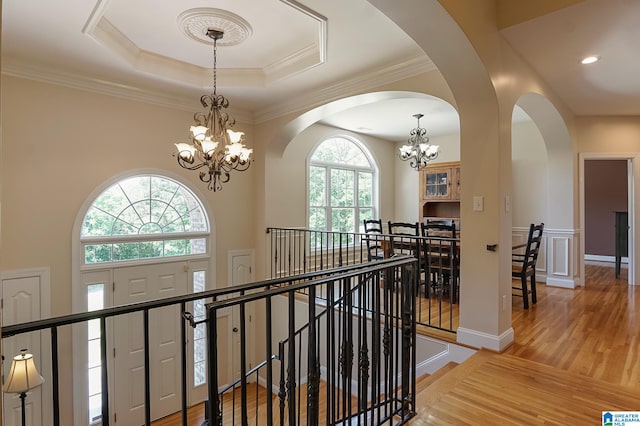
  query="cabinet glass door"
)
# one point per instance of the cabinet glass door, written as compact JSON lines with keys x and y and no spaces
{"x":437,"y":184}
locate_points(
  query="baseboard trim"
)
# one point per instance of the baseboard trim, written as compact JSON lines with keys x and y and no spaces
{"x":601,"y":258}
{"x":560,"y":282}
{"x":479,"y":339}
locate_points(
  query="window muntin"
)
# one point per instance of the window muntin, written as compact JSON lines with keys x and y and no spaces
{"x":340,"y":186}
{"x":144,"y":217}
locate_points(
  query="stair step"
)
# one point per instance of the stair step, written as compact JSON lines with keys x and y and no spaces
{"x":445,"y":379}
{"x":423,"y":382}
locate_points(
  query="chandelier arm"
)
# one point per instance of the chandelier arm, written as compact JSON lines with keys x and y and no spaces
{"x":184,"y":164}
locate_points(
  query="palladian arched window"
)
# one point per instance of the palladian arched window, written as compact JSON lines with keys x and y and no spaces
{"x":144,"y":217}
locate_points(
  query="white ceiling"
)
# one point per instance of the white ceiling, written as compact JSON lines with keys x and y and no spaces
{"x":300,"y":55}
{"x":554,"y":45}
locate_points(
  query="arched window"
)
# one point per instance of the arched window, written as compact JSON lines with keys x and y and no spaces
{"x":342,"y":180}
{"x":143,"y":217}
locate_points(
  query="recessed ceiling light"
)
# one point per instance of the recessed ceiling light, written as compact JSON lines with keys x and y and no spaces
{"x":590,"y":60}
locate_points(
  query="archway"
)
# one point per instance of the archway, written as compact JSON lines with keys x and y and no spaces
{"x":561,"y":255}
{"x":485,"y":275}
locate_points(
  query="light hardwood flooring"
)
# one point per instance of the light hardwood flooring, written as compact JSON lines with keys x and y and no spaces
{"x":576,"y":353}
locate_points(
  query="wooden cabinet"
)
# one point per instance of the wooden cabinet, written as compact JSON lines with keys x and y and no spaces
{"x":440,"y":182}
{"x":440,"y":191}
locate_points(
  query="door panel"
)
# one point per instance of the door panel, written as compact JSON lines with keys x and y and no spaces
{"x":241,"y":267}
{"x":138,"y":284}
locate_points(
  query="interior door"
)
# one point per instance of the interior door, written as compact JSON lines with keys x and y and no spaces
{"x":139,"y":284}
{"x":22,"y":301}
{"x":241,"y":272}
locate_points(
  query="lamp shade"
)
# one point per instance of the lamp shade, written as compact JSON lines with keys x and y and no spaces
{"x":23,"y":375}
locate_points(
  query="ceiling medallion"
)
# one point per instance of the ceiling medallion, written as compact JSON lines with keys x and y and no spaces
{"x":194,"y":23}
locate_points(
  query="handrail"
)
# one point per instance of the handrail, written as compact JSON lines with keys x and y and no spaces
{"x":276,"y":291}
{"x":249,"y":373}
{"x":15,"y":329}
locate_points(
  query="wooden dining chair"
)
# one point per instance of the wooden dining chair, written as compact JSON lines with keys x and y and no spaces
{"x":403,"y":238}
{"x":374,"y":243}
{"x":523,"y":265}
{"x":400,"y":233}
{"x":441,"y":257}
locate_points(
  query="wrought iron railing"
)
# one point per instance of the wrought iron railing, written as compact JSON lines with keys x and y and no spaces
{"x":294,"y":251}
{"x":357,"y":363}
{"x":381,"y":338}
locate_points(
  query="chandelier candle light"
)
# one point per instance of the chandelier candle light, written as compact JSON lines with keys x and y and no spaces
{"x":213,"y":146}
{"x":418,"y":150}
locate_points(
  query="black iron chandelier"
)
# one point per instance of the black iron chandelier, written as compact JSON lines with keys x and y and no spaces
{"x":213,"y":145}
{"x":418,"y":151}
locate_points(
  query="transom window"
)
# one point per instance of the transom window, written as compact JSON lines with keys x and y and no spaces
{"x":341,"y":186}
{"x":143,"y":217}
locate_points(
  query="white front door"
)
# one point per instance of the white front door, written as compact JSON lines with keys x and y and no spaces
{"x":139,"y":284}
{"x":23,"y":301}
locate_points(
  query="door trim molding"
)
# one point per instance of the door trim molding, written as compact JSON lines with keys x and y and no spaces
{"x":633,"y":162}
{"x":44,"y":274}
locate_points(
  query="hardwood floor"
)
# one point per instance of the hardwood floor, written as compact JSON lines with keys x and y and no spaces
{"x":576,"y":354}
{"x":593,"y":330}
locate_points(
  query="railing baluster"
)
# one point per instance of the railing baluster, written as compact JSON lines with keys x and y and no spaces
{"x":282,"y":394}
{"x":147,"y":373}
{"x":215,"y":408}
{"x":268,"y":356}
{"x":54,"y":376}
{"x":313,"y":383}
{"x":291,"y":365}
{"x":243,"y":363}
{"x":183,"y":362}
{"x":330,"y":321}
{"x":103,"y":371}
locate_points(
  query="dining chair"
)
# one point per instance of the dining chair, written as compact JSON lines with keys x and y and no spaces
{"x":524,"y":264}
{"x":402,"y":244}
{"x":403,"y":239}
{"x":374,"y":243}
{"x":441,"y":257}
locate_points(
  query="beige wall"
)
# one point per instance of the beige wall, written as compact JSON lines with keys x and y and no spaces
{"x":608,"y":134}
{"x":529,"y":174}
{"x":288,"y":175}
{"x":59,"y":145}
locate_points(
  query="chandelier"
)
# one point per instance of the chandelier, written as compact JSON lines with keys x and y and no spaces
{"x":418,"y":150}
{"x":213,"y":146}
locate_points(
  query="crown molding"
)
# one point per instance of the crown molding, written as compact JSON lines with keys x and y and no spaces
{"x":316,"y":97}
{"x":101,"y":30}
{"x":356,"y":85}
{"x":104,"y":87}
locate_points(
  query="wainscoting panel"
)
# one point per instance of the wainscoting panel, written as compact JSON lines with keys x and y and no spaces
{"x":558,"y":263}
